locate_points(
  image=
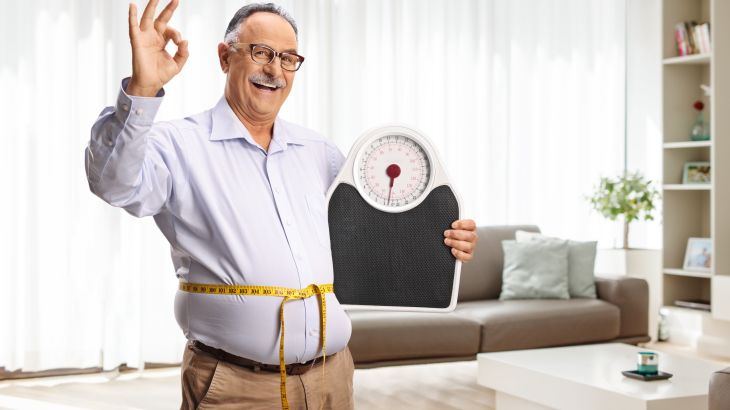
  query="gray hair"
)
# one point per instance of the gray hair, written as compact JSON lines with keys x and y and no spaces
{"x":246,"y":11}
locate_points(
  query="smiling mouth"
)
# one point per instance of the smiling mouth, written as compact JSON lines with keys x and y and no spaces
{"x":266,"y":87}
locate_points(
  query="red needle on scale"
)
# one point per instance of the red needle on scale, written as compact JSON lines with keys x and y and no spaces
{"x":392,"y":171}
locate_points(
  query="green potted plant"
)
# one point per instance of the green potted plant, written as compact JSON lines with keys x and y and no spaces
{"x":630,"y":197}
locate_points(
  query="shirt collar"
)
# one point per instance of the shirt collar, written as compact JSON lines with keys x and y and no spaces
{"x":227,"y":126}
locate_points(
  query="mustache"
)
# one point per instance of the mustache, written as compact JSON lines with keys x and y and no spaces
{"x":264,"y":79}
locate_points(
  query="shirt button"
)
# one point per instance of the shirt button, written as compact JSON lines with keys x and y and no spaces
{"x":125,"y":107}
{"x":109,"y":142}
{"x":139,"y":111}
{"x":288,"y":222}
{"x":313,"y":332}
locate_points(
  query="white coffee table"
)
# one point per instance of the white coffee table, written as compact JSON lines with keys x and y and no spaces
{"x":589,"y":377}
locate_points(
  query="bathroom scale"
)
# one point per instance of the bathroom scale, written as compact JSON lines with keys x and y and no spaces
{"x":388,"y":209}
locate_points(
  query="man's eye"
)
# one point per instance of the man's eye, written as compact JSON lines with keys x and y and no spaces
{"x":289,"y":59}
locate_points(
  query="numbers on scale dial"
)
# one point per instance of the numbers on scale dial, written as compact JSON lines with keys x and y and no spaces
{"x":394,"y":170}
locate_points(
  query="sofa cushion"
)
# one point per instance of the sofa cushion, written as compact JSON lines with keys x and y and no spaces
{"x":535,"y":270}
{"x":527,"y":324}
{"x":581,"y":263}
{"x":481,"y":278}
{"x":383,"y":335}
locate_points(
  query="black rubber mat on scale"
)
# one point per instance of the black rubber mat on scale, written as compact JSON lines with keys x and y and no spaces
{"x":392,"y":259}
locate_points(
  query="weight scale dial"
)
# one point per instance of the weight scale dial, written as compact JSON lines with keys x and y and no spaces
{"x":393,"y":171}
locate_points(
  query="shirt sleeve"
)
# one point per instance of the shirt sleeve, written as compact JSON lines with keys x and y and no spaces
{"x":335,"y":160}
{"x":125,"y":165}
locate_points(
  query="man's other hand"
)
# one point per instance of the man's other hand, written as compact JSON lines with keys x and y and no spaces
{"x":462,"y":239}
{"x":152,"y":66}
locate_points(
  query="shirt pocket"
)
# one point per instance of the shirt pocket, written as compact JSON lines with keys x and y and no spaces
{"x":318,"y":212}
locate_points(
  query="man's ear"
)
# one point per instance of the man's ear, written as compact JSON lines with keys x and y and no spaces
{"x":223,"y":55}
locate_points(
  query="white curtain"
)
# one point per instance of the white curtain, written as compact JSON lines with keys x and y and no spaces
{"x":524,"y":100}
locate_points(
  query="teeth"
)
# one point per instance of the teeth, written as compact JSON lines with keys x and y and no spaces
{"x":267,"y":85}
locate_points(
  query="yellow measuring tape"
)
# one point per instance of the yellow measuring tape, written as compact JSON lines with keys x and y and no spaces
{"x":288,"y":294}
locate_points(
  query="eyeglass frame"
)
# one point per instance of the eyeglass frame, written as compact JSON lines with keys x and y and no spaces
{"x":276,"y":54}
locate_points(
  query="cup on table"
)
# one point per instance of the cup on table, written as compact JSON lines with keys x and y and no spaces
{"x":647,"y":363}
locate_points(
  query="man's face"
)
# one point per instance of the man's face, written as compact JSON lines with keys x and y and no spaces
{"x":244,"y":88}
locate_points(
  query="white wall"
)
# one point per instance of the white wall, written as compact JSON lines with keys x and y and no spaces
{"x":643,"y":105}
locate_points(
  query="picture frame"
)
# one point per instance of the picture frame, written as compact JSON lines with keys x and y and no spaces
{"x":698,"y":256}
{"x":696,"y":172}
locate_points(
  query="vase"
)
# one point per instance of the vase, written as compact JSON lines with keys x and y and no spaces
{"x":700,"y":130}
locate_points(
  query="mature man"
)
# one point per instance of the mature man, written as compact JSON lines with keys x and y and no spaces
{"x":237,"y":192}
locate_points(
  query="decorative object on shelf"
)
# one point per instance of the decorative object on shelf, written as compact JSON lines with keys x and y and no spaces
{"x":696,"y":172}
{"x":706,"y":89}
{"x":700,"y":130}
{"x":629,"y":196}
{"x":663,"y":329}
{"x":698,"y":256}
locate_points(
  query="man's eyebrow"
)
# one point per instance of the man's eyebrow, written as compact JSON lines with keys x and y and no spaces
{"x":290,"y":50}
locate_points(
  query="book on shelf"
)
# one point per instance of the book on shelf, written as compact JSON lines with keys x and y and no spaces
{"x":698,"y":304}
{"x":692,"y":38}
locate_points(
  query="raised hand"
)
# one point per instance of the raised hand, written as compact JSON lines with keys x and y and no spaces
{"x":152,"y":65}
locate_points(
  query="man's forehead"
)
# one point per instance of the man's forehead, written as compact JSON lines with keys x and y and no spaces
{"x":270,"y":29}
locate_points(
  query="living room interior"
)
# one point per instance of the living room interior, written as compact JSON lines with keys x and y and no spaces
{"x":587,"y":139}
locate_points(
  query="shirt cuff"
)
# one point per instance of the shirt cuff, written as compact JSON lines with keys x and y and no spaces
{"x":137,"y":110}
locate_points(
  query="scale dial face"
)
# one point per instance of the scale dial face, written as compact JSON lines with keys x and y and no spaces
{"x":393,"y":172}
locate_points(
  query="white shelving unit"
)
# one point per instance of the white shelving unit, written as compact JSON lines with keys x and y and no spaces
{"x":688,"y":144}
{"x":691,"y":59}
{"x":687,"y":187}
{"x":696,"y":210}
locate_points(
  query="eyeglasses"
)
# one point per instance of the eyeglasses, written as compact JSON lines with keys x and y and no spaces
{"x":263,"y":54}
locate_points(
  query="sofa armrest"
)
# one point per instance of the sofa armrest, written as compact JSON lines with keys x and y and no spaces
{"x":720,"y":390}
{"x":631,"y":295}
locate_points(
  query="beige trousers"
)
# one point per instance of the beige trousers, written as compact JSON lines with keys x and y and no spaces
{"x":208,"y":383}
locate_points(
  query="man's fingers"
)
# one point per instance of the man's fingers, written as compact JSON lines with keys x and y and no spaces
{"x":466,"y":224}
{"x":148,"y":15}
{"x":172,"y":34}
{"x":461,"y":235}
{"x":133,"y":25}
{"x":166,"y":13}
{"x":462,"y":256}
{"x":464,"y":246}
{"x":181,"y":56}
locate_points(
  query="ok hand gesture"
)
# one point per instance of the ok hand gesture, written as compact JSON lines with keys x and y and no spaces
{"x":152,"y":66}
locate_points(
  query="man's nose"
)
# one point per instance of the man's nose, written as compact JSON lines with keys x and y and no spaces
{"x":274,"y":67}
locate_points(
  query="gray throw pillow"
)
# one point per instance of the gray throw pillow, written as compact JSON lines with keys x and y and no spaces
{"x":535,"y":270}
{"x":581,"y":264}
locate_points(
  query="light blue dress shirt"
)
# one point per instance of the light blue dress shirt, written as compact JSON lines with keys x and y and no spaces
{"x":233,"y":213}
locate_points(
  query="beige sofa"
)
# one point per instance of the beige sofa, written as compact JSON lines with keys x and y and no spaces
{"x":483,"y":323}
{"x":719,"y":398}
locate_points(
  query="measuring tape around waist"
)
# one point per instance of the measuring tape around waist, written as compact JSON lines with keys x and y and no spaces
{"x":288,"y":294}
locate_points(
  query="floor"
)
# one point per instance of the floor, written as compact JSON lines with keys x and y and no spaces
{"x":439,"y":386}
